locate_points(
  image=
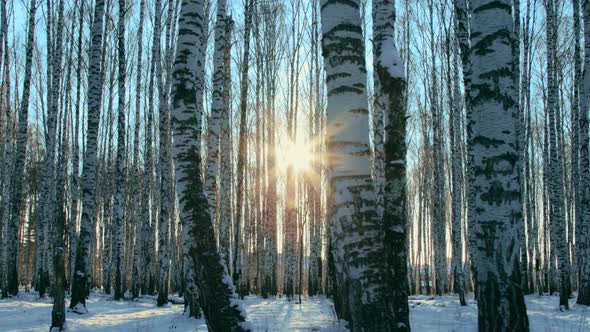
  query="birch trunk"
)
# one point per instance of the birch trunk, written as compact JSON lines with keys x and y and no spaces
{"x":216,"y":110}
{"x":17,"y":203}
{"x":272,"y":43}
{"x":4,"y":119}
{"x":356,"y":238}
{"x":243,"y":144}
{"x":456,"y":138}
{"x":118,"y":252}
{"x":216,"y":291}
{"x":225,"y":151}
{"x":81,"y":276}
{"x":138,"y":204}
{"x":583,"y":228}
{"x":7,"y":171}
{"x":556,"y":199}
{"x":166,"y":203}
{"x":463,"y":34}
{"x":496,"y":187}
{"x":389,"y":72}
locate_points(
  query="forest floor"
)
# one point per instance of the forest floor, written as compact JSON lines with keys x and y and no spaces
{"x":27,"y":312}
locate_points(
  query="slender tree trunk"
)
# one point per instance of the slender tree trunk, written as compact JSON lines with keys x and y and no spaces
{"x":166,"y":202}
{"x":271,"y":59}
{"x":583,"y":227}
{"x":463,"y":34}
{"x":80,"y":282}
{"x":556,"y":199}
{"x":243,"y":144}
{"x":437,"y":200}
{"x":216,"y":110}
{"x":4,"y":119}
{"x":456,"y":180}
{"x":7,"y":171}
{"x":138,"y":204}
{"x":389,"y":72}
{"x":118,"y":252}
{"x":225,"y":151}
{"x":17,"y":203}
{"x":58,"y":313}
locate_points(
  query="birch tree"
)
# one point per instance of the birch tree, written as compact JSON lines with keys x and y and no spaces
{"x":58,"y":241}
{"x":456,"y":138}
{"x":216,"y":109}
{"x":137,"y":214}
{"x":389,"y":91}
{"x":80,"y":282}
{"x":497,"y":212}
{"x":356,"y":242}
{"x":243,"y":143}
{"x":120,"y":161}
{"x":556,"y":195}
{"x":216,"y":291}
{"x":166,"y":197}
{"x":6,"y":170}
{"x":17,"y":205}
{"x":583,"y":227}
{"x":225,"y":187}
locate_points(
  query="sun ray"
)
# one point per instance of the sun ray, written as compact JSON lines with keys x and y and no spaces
{"x":297,"y":155}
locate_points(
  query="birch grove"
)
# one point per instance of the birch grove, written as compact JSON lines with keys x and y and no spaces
{"x":207,"y":152}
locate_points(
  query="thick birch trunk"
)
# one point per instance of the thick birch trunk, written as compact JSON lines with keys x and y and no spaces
{"x":496,"y":187}
{"x":216,"y":291}
{"x":360,"y":289}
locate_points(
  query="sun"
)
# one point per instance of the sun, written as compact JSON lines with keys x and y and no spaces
{"x":297,"y":155}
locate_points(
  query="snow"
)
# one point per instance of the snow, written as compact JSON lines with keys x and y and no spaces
{"x":391,"y":59}
{"x":443,"y":313}
{"x":28,"y":313}
{"x":80,"y":309}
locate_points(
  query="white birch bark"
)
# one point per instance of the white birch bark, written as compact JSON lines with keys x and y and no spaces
{"x":456,"y":138}
{"x":225,"y":215}
{"x":389,"y":72}
{"x":16,"y":184}
{"x":118,"y":252}
{"x":138,"y":204}
{"x":76,"y":146}
{"x":356,"y":237}
{"x":216,"y":291}
{"x":163,"y":166}
{"x":556,"y":199}
{"x":495,"y":180}
{"x":216,"y":109}
{"x":81,"y":275}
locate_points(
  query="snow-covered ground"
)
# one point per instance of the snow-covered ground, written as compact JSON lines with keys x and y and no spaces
{"x":443,"y":313}
{"x":28,"y":313}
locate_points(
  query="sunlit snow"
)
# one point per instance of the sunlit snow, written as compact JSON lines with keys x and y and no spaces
{"x":427,"y":313}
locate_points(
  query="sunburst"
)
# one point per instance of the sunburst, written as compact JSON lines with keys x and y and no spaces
{"x":297,"y":155}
